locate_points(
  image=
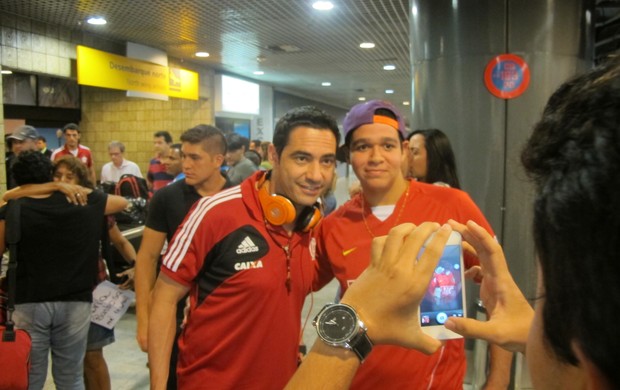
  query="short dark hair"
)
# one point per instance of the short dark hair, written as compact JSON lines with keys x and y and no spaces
{"x":70,"y":126}
{"x":41,"y":138}
{"x":236,"y":142}
{"x":32,"y":167}
{"x":212,"y":138}
{"x":166,"y":135}
{"x":440,"y":161}
{"x":573,"y":158}
{"x":256,"y":143}
{"x":308,"y":116}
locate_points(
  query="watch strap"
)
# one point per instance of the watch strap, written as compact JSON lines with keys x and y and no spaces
{"x":361,"y":345}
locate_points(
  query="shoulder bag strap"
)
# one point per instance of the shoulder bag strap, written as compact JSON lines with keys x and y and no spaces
{"x":12,"y":237}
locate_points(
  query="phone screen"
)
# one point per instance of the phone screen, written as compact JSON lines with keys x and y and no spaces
{"x":444,"y":295}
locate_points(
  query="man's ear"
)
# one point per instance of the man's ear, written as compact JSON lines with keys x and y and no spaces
{"x":595,"y":379}
{"x":272,"y":155}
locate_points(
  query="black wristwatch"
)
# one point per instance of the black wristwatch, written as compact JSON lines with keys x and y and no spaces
{"x":339,"y":326}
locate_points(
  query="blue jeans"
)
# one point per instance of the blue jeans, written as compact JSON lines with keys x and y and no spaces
{"x":63,"y":328}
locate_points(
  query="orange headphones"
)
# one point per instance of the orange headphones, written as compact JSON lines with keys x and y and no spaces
{"x":279,"y":210}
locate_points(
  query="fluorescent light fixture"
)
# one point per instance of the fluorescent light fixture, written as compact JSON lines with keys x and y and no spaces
{"x":96,"y":20}
{"x":240,"y":96}
{"x":326,"y":83}
{"x":259,"y":72}
{"x":201,"y":54}
{"x":389,"y":67}
{"x":4,"y":71}
{"x":367,"y":45}
{"x":322,"y":5}
{"x":361,"y":99}
{"x":406,"y":103}
{"x":389,"y":91}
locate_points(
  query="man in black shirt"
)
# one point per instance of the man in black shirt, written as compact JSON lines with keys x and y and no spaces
{"x":203,"y":148}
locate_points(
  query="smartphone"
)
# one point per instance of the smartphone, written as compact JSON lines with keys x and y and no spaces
{"x":445,"y":295}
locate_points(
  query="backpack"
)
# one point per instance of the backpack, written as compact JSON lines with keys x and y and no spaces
{"x":131,"y":186}
{"x":135,"y":190}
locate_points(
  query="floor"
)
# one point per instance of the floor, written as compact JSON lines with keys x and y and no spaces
{"x":127,"y":363}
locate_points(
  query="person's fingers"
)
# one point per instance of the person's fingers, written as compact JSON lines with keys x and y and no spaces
{"x":427,"y":344}
{"x":471,"y":328}
{"x":392,"y":250}
{"x":432,"y":253}
{"x":468,"y":248}
{"x":474,"y":273}
{"x":376,"y":250}
{"x":81,"y":197}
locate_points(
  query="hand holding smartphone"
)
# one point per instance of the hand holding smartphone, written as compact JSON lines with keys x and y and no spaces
{"x":445,"y":296}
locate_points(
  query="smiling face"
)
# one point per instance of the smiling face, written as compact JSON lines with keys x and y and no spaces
{"x":376,"y":157}
{"x":305,"y":168}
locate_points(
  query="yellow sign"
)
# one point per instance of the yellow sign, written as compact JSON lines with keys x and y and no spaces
{"x":100,"y":69}
{"x":183,"y":84}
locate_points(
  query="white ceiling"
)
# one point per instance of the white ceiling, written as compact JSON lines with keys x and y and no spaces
{"x":243,"y":36}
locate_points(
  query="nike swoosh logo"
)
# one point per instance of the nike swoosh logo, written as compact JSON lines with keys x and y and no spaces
{"x":348,"y":251}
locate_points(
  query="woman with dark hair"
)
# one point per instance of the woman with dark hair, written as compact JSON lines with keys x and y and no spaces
{"x":68,"y":173}
{"x":431,"y":159}
{"x":71,"y":170}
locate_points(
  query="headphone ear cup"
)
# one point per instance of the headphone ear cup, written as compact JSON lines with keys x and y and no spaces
{"x":308,"y":218}
{"x":278,"y":210}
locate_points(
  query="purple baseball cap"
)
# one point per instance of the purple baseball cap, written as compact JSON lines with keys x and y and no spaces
{"x":364,"y":114}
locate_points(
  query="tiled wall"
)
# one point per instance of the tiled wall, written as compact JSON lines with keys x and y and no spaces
{"x":107,"y":115}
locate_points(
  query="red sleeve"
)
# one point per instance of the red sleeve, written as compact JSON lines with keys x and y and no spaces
{"x":323,"y":273}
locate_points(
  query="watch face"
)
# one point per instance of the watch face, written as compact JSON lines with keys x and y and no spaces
{"x":337,"y":324}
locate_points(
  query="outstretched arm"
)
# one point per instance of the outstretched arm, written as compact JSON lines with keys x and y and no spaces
{"x":75,"y":194}
{"x":387,"y":297}
{"x":115,"y":204}
{"x":510,"y":313}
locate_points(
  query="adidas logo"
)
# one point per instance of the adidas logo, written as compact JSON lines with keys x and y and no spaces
{"x":247,"y":246}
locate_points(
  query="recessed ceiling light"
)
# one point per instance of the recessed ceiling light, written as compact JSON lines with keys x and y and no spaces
{"x":367,"y":45}
{"x":4,"y":71}
{"x":322,"y":5}
{"x":326,"y":83}
{"x":406,"y":103}
{"x":389,"y":67}
{"x":259,"y":73}
{"x":389,"y":91}
{"x":96,"y":20}
{"x":202,"y":54}
{"x":361,"y":99}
